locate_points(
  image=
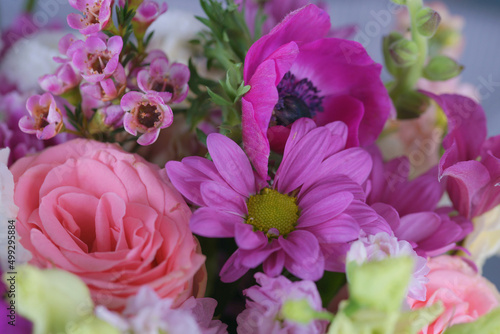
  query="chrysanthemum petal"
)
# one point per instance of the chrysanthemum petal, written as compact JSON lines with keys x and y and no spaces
{"x":214,"y":223}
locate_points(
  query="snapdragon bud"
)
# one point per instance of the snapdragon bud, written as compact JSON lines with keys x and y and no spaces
{"x":442,"y":68}
{"x":386,"y":44}
{"x":427,"y":21}
{"x":404,"y":52}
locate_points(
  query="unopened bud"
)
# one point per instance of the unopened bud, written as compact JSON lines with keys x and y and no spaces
{"x":427,"y":21}
{"x":442,"y":68}
{"x":387,"y":42}
{"x":404,"y":52}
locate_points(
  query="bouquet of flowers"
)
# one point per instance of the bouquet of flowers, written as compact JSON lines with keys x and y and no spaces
{"x":245,"y":171}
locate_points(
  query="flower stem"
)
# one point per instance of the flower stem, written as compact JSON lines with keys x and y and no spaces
{"x":409,"y":77}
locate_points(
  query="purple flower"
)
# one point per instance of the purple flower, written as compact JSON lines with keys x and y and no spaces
{"x":95,"y":58}
{"x":263,"y":307}
{"x":147,"y":313}
{"x":147,"y":114}
{"x":470,"y":163}
{"x":107,"y":89}
{"x":113,"y":116}
{"x":302,"y":221}
{"x":62,"y":81}
{"x":295,"y":72}
{"x":96,"y":15}
{"x":170,"y":80}
{"x":149,"y":10}
{"x":410,"y":207}
{"x":382,"y":245}
{"x":45,"y":117}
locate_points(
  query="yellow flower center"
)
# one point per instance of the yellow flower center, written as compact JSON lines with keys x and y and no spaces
{"x":272,"y":212}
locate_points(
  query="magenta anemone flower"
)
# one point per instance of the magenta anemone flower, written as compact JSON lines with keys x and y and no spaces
{"x":45,"y":118}
{"x":470,"y":163}
{"x":263,"y":307}
{"x":96,"y":15}
{"x":95,"y":58}
{"x":147,"y":114}
{"x":169,"y":80}
{"x":107,"y":89}
{"x":303,"y":220}
{"x":62,"y":81}
{"x":411,"y":206}
{"x":295,"y":72}
{"x":149,"y":10}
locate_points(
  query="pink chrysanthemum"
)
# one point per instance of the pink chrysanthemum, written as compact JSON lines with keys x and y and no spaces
{"x":303,"y":220}
{"x":96,"y":15}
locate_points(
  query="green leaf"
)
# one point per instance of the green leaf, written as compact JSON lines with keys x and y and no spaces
{"x":487,"y":324}
{"x":219,"y":100}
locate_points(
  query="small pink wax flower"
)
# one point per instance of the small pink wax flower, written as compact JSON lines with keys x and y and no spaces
{"x":62,"y":81}
{"x":170,"y":80}
{"x":466,"y":295}
{"x":107,"y":89}
{"x":149,"y":10}
{"x":147,"y":114}
{"x":96,"y":15}
{"x":95,"y":58}
{"x":45,"y":117}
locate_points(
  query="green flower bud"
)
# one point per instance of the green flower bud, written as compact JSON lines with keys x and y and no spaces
{"x":92,"y":325}
{"x":427,"y":21}
{"x":442,"y":68}
{"x":386,"y":43}
{"x":399,"y":2}
{"x":404,"y":52}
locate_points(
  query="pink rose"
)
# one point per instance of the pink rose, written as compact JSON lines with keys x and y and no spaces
{"x":109,"y":217}
{"x":465,"y":294}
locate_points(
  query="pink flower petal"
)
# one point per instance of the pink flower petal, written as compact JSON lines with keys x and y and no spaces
{"x":303,"y":256}
{"x":247,"y":238}
{"x":214,"y":223}
{"x":232,"y":163}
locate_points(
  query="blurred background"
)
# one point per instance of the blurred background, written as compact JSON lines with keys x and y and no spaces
{"x":374,"y":19}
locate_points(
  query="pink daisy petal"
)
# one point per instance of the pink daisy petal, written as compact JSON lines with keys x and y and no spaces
{"x":214,"y":223}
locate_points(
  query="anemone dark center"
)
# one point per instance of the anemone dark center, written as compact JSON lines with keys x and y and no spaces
{"x":296,"y":99}
{"x":148,"y":115}
{"x":272,"y":212}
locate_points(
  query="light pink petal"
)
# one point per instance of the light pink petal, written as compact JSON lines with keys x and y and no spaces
{"x":75,"y":21}
{"x":302,"y":162}
{"x":130,"y":100}
{"x":340,"y":229}
{"x":273,"y":265}
{"x":232,"y":163}
{"x":232,"y":270}
{"x":354,"y":163}
{"x":149,"y":137}
{"x":465,"y":180}
{"x":219,"y":196}
{"x":247,"y":238}
{"x":115,"y":44}
{"x":418,"y":226}
{"x":303,"y":256}
{"x":179,"y":73}
{"x":325,"y":209}
{"x":213,"y":223}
